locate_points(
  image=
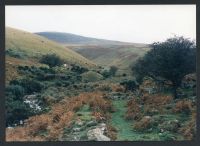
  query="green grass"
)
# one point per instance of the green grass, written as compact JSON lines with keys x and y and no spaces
{"x":125,"y":128}
{"x":85,"y":113}
{"x":127,"y":133}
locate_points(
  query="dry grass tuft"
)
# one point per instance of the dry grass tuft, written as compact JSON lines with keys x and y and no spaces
{"x":183,"y":106}
{"x":143,"y":124}
{"x":134,"y":110}
{"x":189,"y":129}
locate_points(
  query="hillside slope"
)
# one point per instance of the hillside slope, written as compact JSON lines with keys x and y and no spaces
{"x":33,"y":46}
{"x":121,"y":56}
{"x":100,"y":51}
{"x":24,"y":48}
{"x":73,"y":39}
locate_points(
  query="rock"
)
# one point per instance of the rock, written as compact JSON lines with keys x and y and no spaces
{"x":97,"y":135}
{"x":76,"y":138}
{"x":76,"y":129}
{"x":103,"y":127}
{"x":91,"y":123}
{"x":10,"y":127}
{"x":79,"y":123}
{"x":147,"y":117}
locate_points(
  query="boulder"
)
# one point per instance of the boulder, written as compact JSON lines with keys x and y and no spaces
{"x":97,"y":135}
{"x":79,"y":123}
{"x":76,"y":129}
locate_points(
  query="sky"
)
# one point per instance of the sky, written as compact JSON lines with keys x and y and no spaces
{"x":128,"y":23}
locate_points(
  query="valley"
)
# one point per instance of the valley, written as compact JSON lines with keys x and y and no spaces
{"x":84,"y":89}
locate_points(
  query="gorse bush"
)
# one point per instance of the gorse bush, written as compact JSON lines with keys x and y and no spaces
{"x":78,"y":69}
{"x":113,"y":70}
{"x":51,"y":60}
{"x":16,"y":91}
{"x":129,"y":85}
{"x":14,"y":53}
{"x":106,"y":74}
{"x":29,"y":85}
{"x":16,"y":110}
{"x":109,"y":72}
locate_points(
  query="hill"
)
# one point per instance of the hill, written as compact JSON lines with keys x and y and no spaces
{"x":121,"y":56}
{"x":26,"y":48}
{"x":102,"y":52}
{"x":73,"y":39}
{"x":33,"y":46}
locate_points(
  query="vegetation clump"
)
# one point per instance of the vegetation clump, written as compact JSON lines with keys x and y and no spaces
{"x":171,"y":60}
{"x":134,"y":110}
{"x":51,"y":60}
{"x":91,"y":76}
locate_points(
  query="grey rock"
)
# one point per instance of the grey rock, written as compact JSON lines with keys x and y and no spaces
{"x":76,"y":129}
{"x":97,"y":135}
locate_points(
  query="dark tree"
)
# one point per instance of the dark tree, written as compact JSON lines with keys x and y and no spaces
{"x":51,"y":60}
{"x":170,"y":60}
{"x":113,"y":70}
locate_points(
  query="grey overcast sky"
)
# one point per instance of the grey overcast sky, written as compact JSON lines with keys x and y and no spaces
{"x":130,"y":23}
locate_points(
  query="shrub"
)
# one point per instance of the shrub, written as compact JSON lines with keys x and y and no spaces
{"x":37,"y":124}
{"x":113,"y":70}
{"x":189,"y":128}
{"x":124,"y":74}
{"x":172,"y":125}
{"x":156,"y":99}
{"x":129,"y":85}
{"x":104,"y":87}
{"x":144,"y":124}
{"x":183,"y":106}
{"x":30,"y":85}
{"x":16,"y":110}
{"x":171,"y":60}
{"x":112,"y":132}
{"x":117,"y":88}
{"x":15,"y":53}
{"x":106,"y":74}
{"x":51,"y":60}
{"x":78,"y":69}
{"x":134,"y":110}
{"x":91,"y":76}
{"x":15,"y":91}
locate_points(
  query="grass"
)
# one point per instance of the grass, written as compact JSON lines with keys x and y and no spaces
{"x":126,"y":131}
{"x":33,"y":46}
{"x":121,"y":56}
{"x":85,"y":113}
